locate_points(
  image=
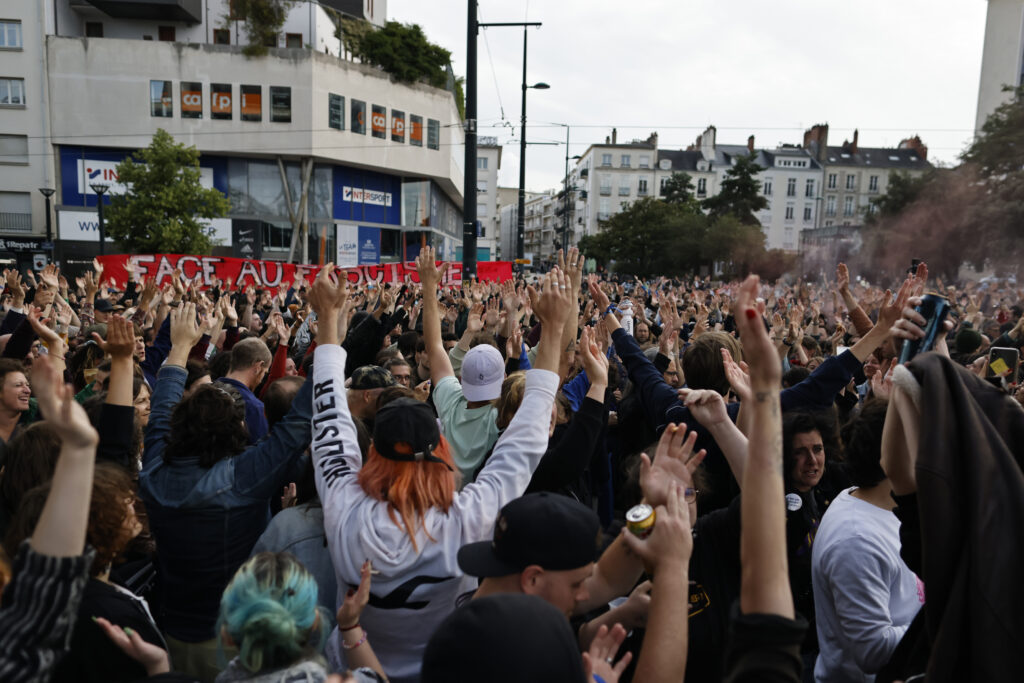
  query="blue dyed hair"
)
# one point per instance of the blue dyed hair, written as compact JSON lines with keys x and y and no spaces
{"x":270,"y":611}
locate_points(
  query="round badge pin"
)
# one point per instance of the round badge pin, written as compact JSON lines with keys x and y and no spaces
{"x":793,"y":502}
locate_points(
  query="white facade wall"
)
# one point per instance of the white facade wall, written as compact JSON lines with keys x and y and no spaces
{"x":787,"y":215}
{"x":617,"y":175}
{"x":1002,"y":55}
{"x":489,"y":160}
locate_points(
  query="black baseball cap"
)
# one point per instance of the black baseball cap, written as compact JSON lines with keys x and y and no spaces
{"x":507,"y":638}
{"x":371,"y":377}
{"x":103,"y":306}
{"x":552,"y":531}
{"x":412,"y":424}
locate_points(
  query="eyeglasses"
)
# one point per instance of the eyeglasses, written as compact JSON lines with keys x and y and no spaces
{"x":690,"y":494}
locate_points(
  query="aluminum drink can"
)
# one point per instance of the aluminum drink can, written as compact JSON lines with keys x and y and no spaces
{"x":640,"y":520}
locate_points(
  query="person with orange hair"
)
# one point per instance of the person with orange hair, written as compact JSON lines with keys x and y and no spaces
{"x":403,"y":510}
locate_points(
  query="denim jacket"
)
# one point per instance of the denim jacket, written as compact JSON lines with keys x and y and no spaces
{"x":206,"y":520}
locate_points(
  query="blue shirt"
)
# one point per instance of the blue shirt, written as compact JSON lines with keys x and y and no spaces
{"x":255,"y":419}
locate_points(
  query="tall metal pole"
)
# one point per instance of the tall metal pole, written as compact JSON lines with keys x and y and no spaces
{"x":100,"y":189}
{"x":521,"y":218}
{"x":565,"y":223}
{"x":469,"y":181}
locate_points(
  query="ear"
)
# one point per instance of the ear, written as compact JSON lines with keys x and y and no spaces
{"x":531,"y":578}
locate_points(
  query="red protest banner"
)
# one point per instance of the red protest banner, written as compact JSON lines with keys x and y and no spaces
{"x":245,"y":272}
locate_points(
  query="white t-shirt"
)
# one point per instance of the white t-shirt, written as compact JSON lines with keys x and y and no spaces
{"x":416,"y":587}
{"x":864,"y":595}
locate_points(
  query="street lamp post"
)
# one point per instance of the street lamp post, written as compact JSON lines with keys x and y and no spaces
{"x":47,"y":192}
{"x":100,"y":189}
{"x":521,"y":224}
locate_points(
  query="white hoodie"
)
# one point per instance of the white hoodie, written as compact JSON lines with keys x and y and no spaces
{"x":414,"y":591}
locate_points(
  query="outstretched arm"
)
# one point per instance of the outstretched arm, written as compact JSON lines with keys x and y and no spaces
{"x":430,"y":277}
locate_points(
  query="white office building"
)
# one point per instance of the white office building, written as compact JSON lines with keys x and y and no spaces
{"x":86,"y":82}
{"x":1002,"y":59}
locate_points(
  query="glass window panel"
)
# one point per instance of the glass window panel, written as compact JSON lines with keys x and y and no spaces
{"x":415,"y":130}
{"x":160,"y":99}
{"x":238,"y":185}
{"x":416,"y":203}
{"x":358,"y":117}
{"x":378,"y":122}
{"x":191,"y":100}
{"x":336,"y":111}
{"x":397,"y":126}
{"x":280,"y":104}
{"x":433,"y":134}
{"x":220,"y":101}
{"x":252,"y":102}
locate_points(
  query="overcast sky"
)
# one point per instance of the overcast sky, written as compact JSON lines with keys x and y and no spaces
{"x":891,"y":68}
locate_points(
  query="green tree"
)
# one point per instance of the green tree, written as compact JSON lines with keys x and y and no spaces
{"x":263,"y":22}
{"x":678,"y":189}
{"x":733,"y":243}
{"x":902,"y":191}
{"x":740,"y":195}
{"x":160,"y":210}
{"x":404,"y":52}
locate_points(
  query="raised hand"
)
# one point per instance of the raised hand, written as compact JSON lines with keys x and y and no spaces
{"x":58,"y":405}
{"x":549,"y":304}
{"x":327,"y":296}
{"x":738,"y":375}
{"x":674,"y":462}
{"x":842,"y":278}
{"x":185,"y":329}
{"x":430,"y":275}
{"x":120,"y":341}
{"x":37,"y":319}
{"x":758,"y":350}
{"x":153,"y":658}
{"x":475,"y":321}
{"x":706,"y":405}
{"x":355,"y":600}
{"x":598,"y":659}
{"x":670,"y":544}
{"x":594,"y":361}
{"x":598,"y":295}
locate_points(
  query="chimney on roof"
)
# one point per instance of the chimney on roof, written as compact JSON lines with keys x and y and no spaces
{"x":607,"y":140}
{"x":615,"y":136}
{"x":915,"y":144}
{"x":816,"y":141}
{"x":750,"y":144}
{"x":707,"y":142}
{"x":652,"y":139}
{"x":856,"y":134}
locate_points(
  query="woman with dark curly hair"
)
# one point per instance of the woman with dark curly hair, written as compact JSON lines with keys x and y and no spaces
{"x":112,"y":525}
{"x":207,"y":493}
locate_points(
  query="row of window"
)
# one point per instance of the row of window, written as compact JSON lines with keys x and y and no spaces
{"x":791,"y":210}
{"x":379,"y":122}
{"x":624,"y":160}
{"x":161,"y":101}
{"x":848,"y":206}
{"x":851,"y":182}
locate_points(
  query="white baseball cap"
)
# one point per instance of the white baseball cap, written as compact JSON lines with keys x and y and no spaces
{"x":483,"y":371}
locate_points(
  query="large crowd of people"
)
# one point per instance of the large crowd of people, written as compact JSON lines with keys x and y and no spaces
{"x":552,"y":478}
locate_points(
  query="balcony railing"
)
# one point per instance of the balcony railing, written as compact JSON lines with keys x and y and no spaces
{"x":17,"y":222}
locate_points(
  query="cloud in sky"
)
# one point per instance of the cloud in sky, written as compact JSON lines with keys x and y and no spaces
{"x":891,"y":68}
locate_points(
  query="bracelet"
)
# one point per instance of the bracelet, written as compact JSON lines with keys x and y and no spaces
{"x":353,"y":646}
{"x":611,"y":307}
{"x":355,"y":625}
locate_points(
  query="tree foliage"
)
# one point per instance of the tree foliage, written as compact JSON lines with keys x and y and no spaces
{"x":161,"y":209}
{"x":404,"y":52}
{"x":968,"y":215}
{"x":740,"y":194}
{"x":678,"y":189}
{"x":653,"y":237}
{"x":263,"y":22}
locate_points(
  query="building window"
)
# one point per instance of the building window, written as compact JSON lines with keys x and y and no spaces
{"x":481,"y":163}
{"x":873,"y":184}
{"x":606,"y":183}
{"x":664,"y":182}
{"x":415,"y":130}
{"x":280,"y":104}
{"x":791,"y":187}
{"x":191,"y":100}
{"x":16,"y":211}
{"x":606,"y":159}
{"x":603,"y":209}
{"x":277,"y":236}
{"x":397,"y":126}
{"x":809,"y":189}
{"x":221,"y":36}
{"x":848,"y":206}
{"x":481,"y":210}
{"x":357,"y":121}
{"x":481,"y":186}
{"x":378,"y":121}
{"x":13,"y":149}
{"x":220,"y":101}
{"x":94,"y":29}
{"x":336,"y":111}
{"x":832,"y":180}
{"x":625,"y":183}
{"x":851,"y":182}
{"x":789,"y":212}
{"x":12,"y":92}
{"x":645,"y":161}
{"x":10,"y":34}
{"x":830,"y":206}
{"x":624,"y":162}
{"x":166,"y":33}
{"x":807,"y":213}
{"x":702,"y":187}
{"x":161,"y":101}
{"x":252,"y":102}
{"x":433,"y":134}
{"x":767,"y":187}
{"x":293,"y":40}
{"x":641,"y":187}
